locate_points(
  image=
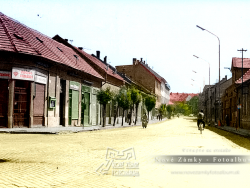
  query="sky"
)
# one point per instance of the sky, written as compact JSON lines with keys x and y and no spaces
{"x":162,"y":32}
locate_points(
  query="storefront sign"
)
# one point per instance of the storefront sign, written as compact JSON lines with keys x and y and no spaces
{"x":40,"y":79}
{"x":85,"y":89}
{"x":74,"y":85}
{"x":5,"y":75}
{"x":23,"y":74}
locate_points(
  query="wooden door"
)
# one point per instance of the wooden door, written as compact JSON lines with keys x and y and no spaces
{"x":21,"y":103}
{"x":4,"y":103}
{"x":38,"y":109}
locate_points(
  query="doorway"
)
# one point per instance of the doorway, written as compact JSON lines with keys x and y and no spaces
{"x":21,"y":103}
{"x":85,"y":112}
{"x":4,"y":93}
{"x":38,"y":105}
{"x":62,"y":101}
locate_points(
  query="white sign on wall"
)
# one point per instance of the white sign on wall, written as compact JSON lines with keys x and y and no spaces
{"x":74,"y":87}
{"x":5,"y":75}
{"x":23,"y":74}
{"x":40,"y":79}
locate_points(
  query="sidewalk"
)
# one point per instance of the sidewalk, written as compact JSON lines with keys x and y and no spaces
{"x":241,"y":132}
{"x":57,"y":130}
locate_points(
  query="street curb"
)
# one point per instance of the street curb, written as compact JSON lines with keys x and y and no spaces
{"x":58,"y":132}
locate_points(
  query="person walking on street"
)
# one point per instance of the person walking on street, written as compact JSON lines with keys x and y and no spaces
{"x":200,"y":119}
{"x":144,"y":120}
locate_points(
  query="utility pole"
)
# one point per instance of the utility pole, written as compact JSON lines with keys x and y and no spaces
{"x":242,"y":50}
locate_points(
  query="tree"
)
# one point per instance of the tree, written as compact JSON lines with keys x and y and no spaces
{"x":134,"y":98}
{"x":124,"y":100}
{"x":169,"y":110}
{"x":150,"y":102}
{"x":137,"y":105}
{"x":115,"y":102}
{"x":104,"y":97}
{"x":193,"y":103}
{"x":162,"y":110}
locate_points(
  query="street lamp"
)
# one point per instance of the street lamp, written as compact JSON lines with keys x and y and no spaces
{"x":219,"y":54}
{"x":208,"y":64}
{"x":209,"y":86}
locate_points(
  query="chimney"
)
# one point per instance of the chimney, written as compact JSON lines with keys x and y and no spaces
{"x":226,"y":77}
{"x":66,"y":40}
{"x":105,"y":59}
{"x":123,"y":71}
{"x":80,"y":48}
{"x":134,"y":61}
{"x":141,"y":60}
{"x":98,"y":54}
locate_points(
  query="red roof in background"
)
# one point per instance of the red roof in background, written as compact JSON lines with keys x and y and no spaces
{"x":16,"y":37}
{"x":100,"y":64}
{"x":180,"y":97}
{"x":237,"y":62}
{"x":170,"y":102}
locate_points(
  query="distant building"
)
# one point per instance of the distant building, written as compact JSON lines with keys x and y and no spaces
{"x":232,"y":96}
{"x":141,"y":73}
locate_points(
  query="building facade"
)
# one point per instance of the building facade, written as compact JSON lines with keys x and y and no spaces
{"x":141,"y":73}
{"x":44,"y":82}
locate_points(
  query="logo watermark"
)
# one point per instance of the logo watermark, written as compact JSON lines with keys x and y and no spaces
{"x":120,"y":163}
{"x":203,"y":159}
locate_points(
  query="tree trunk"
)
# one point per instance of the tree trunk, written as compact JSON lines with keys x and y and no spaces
{"x":122,"y":116}
{"x":131,"y":112}
{"x":104,"y":116}
{"x":148,"y":115}
{"x":115,"y":115}
{"x":136,"y":111}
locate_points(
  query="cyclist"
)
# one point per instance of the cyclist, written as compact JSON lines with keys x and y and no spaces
{"x":200,"y":119}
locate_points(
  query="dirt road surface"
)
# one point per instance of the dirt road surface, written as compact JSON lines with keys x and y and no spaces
{"x":74,"y":160}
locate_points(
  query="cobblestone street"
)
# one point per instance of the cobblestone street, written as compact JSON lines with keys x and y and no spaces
{"x":71,"y":160}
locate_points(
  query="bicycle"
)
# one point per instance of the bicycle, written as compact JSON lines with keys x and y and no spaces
{"x":200,"y":127}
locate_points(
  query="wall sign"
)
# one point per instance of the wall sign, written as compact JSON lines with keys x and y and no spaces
{"x":40,"y":79}
{"x":5,"y":75}
{"x":23,"y":74}
{"x":74,"y":85}
{"x":86,"y":89}
{"x":52,"y":102}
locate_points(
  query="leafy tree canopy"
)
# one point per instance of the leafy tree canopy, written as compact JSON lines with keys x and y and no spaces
{"x":105,"y":96}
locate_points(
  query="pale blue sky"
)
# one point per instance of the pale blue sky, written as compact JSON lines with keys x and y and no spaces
{"x":162,"y":32}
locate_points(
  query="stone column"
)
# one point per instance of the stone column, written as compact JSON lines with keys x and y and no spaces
{"x":11,"y":103}
{"x":32,"y":92}
{"x":66,"y":106}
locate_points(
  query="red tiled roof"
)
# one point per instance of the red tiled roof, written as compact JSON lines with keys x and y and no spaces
{"x":18,"y":38}
{"x":170,"y":102}
{"x":246,"y":77}
{"x":180,"y":97}
{"x":100,"y":64}
{"x":237,"y":62}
